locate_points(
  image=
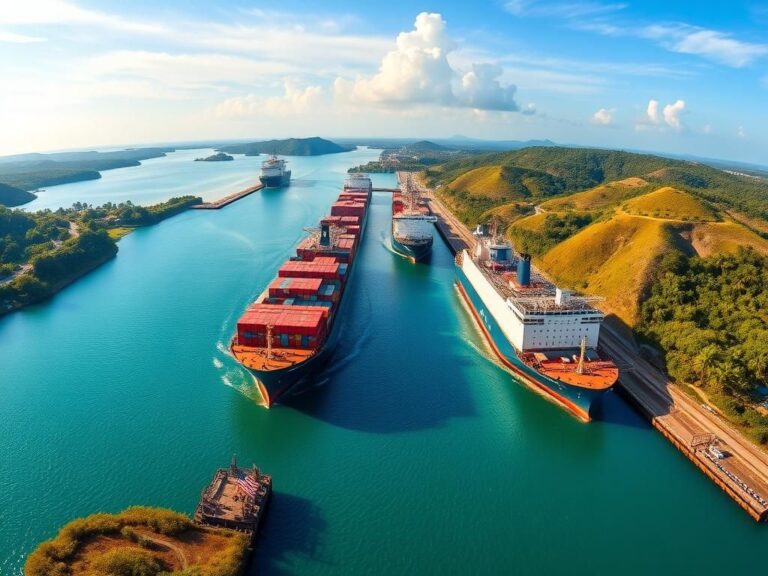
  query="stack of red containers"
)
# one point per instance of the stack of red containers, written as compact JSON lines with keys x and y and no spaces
{"x":291,"y":326}
{"x":301,"y":269}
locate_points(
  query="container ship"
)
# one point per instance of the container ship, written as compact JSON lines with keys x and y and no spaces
{"x":548,"y":337}
{"x":290,"y":331}
{"x":274,"y":174}
{"x":412,"y":223}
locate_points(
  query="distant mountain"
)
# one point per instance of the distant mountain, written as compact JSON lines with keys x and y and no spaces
{"x":425,"y":146}
{"x":11,"y":196}
{"x":291,"y":147}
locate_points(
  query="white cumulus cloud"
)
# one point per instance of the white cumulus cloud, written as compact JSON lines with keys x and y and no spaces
{"x":672,"y":114}
{"x":603,"y":116}
{"x":418,"y":71}
{"x":295,"y":100}
{"x":652,"y":111}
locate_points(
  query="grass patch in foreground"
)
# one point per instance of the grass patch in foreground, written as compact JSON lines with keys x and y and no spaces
{"x":142,"y":541}
{"x":119,"y":232}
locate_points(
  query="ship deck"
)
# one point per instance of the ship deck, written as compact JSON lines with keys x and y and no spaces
{"x":598,"y":374}
{"x":258,"y":359}
{"x":226,"y":503}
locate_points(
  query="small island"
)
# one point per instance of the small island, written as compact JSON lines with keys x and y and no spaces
{"x":218,"y":157}
{"x":140,"y":540}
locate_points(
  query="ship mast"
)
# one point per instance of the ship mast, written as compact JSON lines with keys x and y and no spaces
{"x":269,"y":341}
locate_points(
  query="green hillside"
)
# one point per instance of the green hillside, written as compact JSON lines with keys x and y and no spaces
{"x":670,"y":204}
{"x":12,"y":196}
{"x":546,"y":172}
{"x":291,"y":147}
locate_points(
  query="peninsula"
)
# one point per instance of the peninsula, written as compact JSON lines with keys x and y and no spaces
{"x":139,"y":540}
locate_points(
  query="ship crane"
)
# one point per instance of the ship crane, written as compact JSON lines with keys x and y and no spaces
{"x":581,"y":367}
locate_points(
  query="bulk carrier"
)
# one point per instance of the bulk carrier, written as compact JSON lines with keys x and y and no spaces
{"x":274,"y":174}
{"x":289,"y":332}
{"x":412,"y":223}
{"x":548,"y":337}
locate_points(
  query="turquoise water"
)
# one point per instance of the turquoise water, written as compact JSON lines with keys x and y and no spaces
{"x":176,"y":174}
{"x":417,"y":455}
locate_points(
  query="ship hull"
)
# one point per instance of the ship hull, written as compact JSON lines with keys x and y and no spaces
{"x":414,"y":251}
{"x":276,"y":181}
{"x":278,"y":385}
{"x":584,"y":403}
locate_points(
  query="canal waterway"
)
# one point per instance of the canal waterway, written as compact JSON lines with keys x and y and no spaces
{"x":417,"y":454}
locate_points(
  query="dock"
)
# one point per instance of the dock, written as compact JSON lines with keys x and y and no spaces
{"x":227,"y":200}
{"x":235,"y":499}
{"x":693,"y":429}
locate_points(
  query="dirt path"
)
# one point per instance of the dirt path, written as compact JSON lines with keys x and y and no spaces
{"x":170,"y":545}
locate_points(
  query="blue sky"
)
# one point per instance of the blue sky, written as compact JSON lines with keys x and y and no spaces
{"x":679,"y":77}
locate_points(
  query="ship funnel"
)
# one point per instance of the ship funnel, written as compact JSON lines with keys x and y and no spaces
{"x":325,"y":234}
{"x":524,"y":270}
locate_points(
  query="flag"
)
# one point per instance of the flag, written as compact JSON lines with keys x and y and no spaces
{"x":248,"y":484}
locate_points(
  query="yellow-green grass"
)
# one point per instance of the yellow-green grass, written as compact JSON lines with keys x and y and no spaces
{"x":119,"y":232}
{"x":150,"y":538}
{"x":507,"y":213}
{"x":534,"y":223}
{"x":486,"y":181}
{"x":670,"y":204}
{"x":724,"y":237}
{"x":612,"y":259}
{"x":603,"y":196}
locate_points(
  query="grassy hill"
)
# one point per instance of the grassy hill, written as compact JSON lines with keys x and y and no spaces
{"x":542,"y":173}
{"x":603,"y":196}
{"x":670,"y":204}
{"x":11,"y":196}
{"x":291,"y":147}
{"x":613,"y":259}
{"x":139,"y":541}
{"x":607,"y":218}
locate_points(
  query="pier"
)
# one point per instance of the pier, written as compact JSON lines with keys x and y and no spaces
{"x":227,"y":200}
{"x":693,"y":429}
{"x":235,"y":499}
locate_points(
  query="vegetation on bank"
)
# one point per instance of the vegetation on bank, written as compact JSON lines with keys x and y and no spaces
{"x":41,"y":252}
{"x":314,"y":146}
{"x":12,"y":196}
{"x":710,"y":316}
{"x":139,"y":541}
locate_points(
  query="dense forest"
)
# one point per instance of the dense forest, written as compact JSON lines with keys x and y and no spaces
{"x":542,"y":172}
{"x":710,"y":315}
{"x":291,"y":147}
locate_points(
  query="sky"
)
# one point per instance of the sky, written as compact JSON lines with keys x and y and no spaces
{"x":667,"y":76}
